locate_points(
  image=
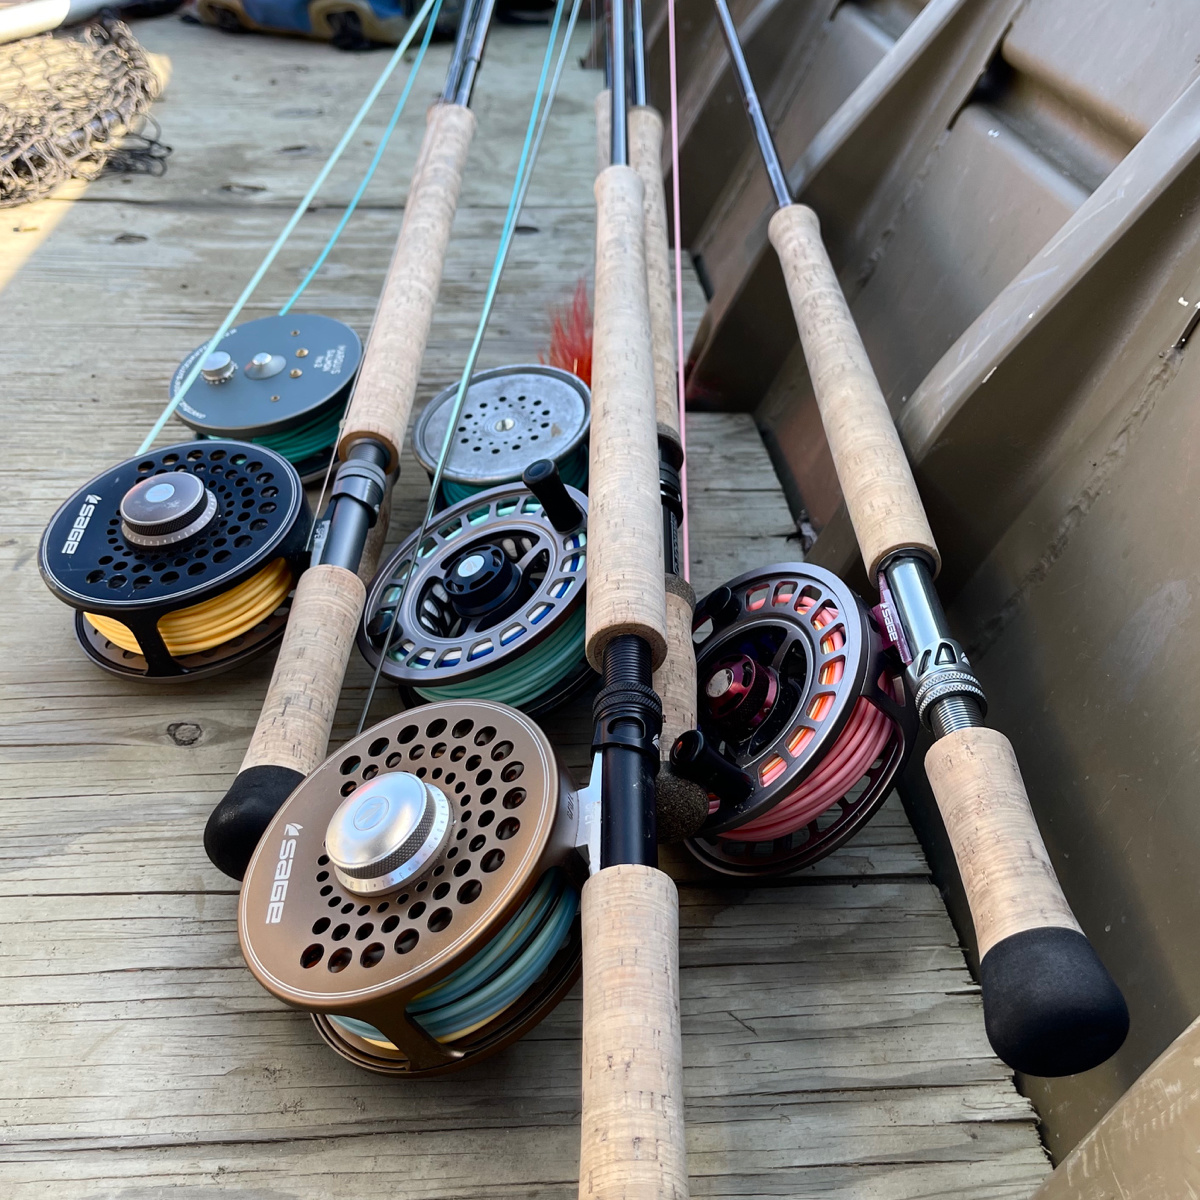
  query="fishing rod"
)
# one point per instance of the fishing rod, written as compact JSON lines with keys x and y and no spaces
{"x":293,"y":729}
{"x":632,"y":1140}
{"x":682,"y":804}
{"x":1050,"y":1006}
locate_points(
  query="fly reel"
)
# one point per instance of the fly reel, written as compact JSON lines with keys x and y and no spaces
{"x":803,"y":719}
{"x":180,"y":562}
{"x":510,"y":416}
{"x":418,"y":893}
{"x":280,"y":382}
{"x":491,"y":605}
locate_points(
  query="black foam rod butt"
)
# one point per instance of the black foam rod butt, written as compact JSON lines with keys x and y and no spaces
{"x":1049,"y":1005}
{"x":241,"y":818}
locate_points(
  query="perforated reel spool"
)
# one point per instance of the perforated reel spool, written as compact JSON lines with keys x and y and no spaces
{"x":183,"y":556}
{"x":492,"y":604}
{"x":281,"y":382}
{"x":510,"y":416}
{"x":458,"y":929}
{"x":798,"y":689}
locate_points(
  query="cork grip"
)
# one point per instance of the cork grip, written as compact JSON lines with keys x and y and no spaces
{"x":1010,"y":882}
{"x":675,"y":680}
{"x":625,"y":551}
{"x":297,"y":714}
{"x":1050,"y":1006}
{"x":877,"y":482}
{"x":387,"y":380}
{"x":645,"y":156}
{"x":632,"y":1145}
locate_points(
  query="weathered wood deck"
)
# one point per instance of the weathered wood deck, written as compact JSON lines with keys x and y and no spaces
{"x":833,"y":1038}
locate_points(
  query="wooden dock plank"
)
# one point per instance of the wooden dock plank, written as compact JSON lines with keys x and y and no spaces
{"x":833,"y":1038}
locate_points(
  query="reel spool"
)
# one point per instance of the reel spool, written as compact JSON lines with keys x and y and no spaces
{"x":418,"y":893}
{"x":279,"y":382}
{"x":803,"y":719}
{"x":510,"y":416}
{"x":180,"y":562}
{"x":492,"y":604}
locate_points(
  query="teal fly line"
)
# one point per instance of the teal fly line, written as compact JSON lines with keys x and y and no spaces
{"x":495,"y":978}
{"x":392,"y":63}
{"x":572,"y":470}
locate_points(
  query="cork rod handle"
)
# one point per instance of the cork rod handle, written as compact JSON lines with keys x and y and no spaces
{"x":877,"y":482}
{"x":645,"y":156}
{"x":387,"y":380}
{"x":633,"y":1144}
{"x":625,"y":551}
{"x":1050,"y":1006}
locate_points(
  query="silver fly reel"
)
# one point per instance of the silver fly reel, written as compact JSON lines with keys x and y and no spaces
{"x":510,"y":416}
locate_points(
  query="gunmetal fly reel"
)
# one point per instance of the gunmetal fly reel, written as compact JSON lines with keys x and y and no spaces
{"x":418,"y":893}
{"x":510,"y":416}
{"x":180,"y":562}
{"x":491,"y":604}
{"x":803,"y":719}
{"x":280,"y":382}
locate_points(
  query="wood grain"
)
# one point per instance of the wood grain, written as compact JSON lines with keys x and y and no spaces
{"x":632,"y":1145}
{"x":603,"y":108}
{"x":383,"y":396}
{"x":877,"y":482}
{"x":625,"y":551}
{"x":833,"y":1039}
{"x":1011,"y":885}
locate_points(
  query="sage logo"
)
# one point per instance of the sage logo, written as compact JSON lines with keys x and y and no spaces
{"x":283,"y":872}
{"x":81,"y":523}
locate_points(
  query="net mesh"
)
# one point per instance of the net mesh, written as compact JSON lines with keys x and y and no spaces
{"x":70,"y":105}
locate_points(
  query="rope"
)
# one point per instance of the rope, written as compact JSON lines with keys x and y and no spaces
{"x":210,"y":623}
{"x":392,"y":63}
{"x":534,"y":133}
{"x":679,"y":359}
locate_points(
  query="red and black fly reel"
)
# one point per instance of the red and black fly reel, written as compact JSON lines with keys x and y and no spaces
{"x":803,"y":721}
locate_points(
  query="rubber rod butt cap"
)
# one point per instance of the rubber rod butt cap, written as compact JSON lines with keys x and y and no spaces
{"x":241,"y":818}
{"x":1050,"y":1007}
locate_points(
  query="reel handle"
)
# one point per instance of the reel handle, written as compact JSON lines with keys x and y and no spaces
{"x":1050,"y":1007}
{"x":625,"y":551}
{"x":387,"y":380}
{"x":633,"y":1140}
{"x":877,"y":481}
{"x":292,"y":734}
{"x":645,"y":156}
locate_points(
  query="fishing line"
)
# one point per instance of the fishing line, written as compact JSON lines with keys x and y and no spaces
{"x":534,"y":133}
{"x":292,"y":222}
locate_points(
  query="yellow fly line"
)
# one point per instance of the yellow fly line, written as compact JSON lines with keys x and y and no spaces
{"x":214,"y":622}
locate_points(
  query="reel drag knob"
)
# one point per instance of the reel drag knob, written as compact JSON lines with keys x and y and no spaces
{"x":481,"y":581}
{"x":386,"y":833}
{"x":740,"y":694}
{"x":166,"y":511}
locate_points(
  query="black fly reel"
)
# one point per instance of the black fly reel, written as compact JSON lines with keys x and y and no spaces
{"x":490,"y":606}
{"x":803,"y":719}
{"x":510,"y":416}
{"x":280,"y":382}
{"x":180,"y":562}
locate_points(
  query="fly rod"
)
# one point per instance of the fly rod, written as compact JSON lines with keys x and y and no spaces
{"x":292,"y":733}
{"x":682,"y":804}
{"x":632,"y":1141}
{"x":1050,"y":1006}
